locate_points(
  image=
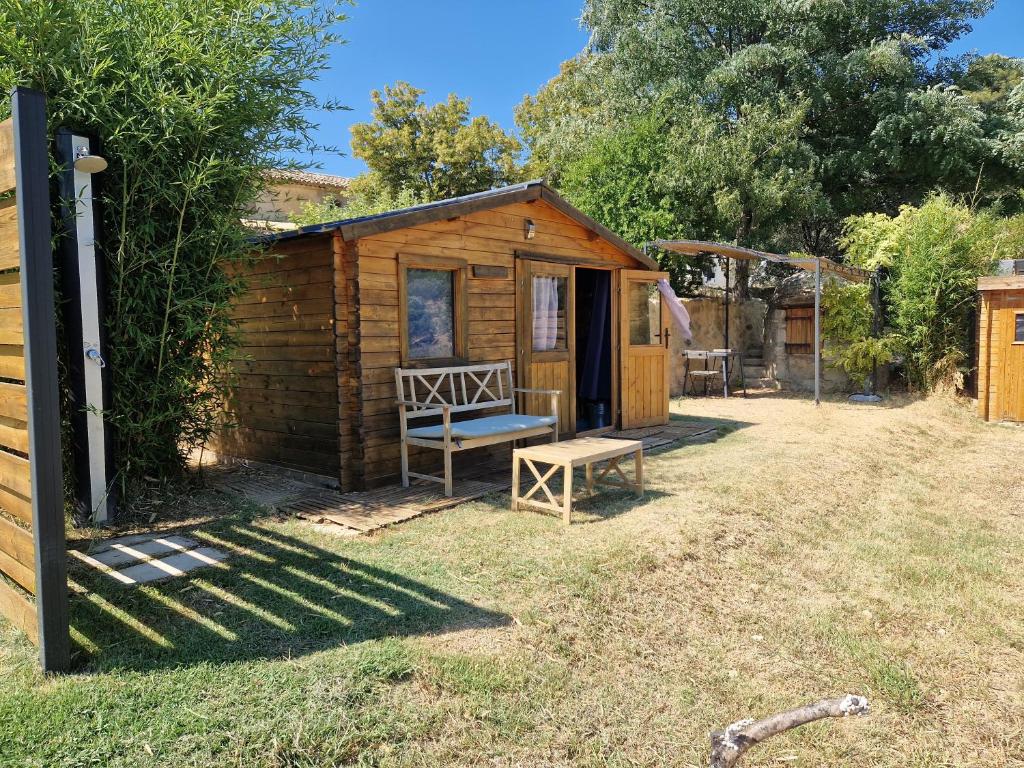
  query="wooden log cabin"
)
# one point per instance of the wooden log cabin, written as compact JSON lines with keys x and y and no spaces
{"x":1001,"y":348}
{"x":511,"y":274}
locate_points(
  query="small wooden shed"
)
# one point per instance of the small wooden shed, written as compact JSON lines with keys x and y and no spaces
{"x":511,"y":274}
{"x":1001,"y":349}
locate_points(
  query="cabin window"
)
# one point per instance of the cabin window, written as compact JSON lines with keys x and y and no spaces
{"x":1018,"y":328}
{"x":432,"y":294}
{"x":644,"y":313}
{"x":550,"y":323}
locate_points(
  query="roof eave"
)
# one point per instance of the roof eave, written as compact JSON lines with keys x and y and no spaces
{"x":354,"y":229}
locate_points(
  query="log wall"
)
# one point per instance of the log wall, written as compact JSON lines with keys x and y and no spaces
{"x":486,"y":239}
{"x":283,"y":402}
{"x":1000,"y":357}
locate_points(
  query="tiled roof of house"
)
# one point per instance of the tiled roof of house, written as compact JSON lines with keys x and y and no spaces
{"x":322,"y":180}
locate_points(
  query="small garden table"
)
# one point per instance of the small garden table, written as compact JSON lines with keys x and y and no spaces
{"x":566,"y":456}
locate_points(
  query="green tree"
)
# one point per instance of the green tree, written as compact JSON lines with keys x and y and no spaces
{"x":435,"y":152}
{"x":865,"y":80}
{"x":1010,"y":139}
{"x":193,"y":100}
{"x":989,"y":80}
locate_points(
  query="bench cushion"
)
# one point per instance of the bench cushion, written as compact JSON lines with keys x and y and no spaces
{"x":488,"y":426}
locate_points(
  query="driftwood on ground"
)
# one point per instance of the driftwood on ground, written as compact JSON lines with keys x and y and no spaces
{"x":729,"y":745}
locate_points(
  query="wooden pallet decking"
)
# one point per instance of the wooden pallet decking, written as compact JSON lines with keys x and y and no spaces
{"x":367,"y":511}
{"x":359,"y":511}
{"x":668,"y":434}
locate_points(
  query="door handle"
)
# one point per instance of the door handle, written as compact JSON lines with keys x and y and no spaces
{"x":667,"y":335}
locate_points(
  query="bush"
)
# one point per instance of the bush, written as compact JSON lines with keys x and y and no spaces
{"x":847,"y":327}
{"x":933,"y":256}
{"x":193,"y":100}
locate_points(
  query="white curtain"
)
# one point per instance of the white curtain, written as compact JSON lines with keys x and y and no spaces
{"x":545,"y":313}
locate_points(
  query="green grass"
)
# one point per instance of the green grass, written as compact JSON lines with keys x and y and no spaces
{"x":804,"y":553}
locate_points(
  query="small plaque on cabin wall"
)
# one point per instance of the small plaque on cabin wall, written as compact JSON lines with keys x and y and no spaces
{"x":482,"y":270}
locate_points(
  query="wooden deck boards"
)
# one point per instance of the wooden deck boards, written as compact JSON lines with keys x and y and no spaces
{"x":667,"y":434}
{"x":360,"y":511}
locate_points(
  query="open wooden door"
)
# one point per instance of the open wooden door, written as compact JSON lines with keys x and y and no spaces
{"x":546,"y":335}
{"x":643,"y":341}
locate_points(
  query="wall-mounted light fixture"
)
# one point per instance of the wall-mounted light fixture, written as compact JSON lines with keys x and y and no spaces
{"x":531,"y":229}
{"x":86,"y":162}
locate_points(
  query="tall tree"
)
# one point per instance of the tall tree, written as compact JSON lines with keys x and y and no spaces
{"x":433,"y":152}
{"x":864,"y":78}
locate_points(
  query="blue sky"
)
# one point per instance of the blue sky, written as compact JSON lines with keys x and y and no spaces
{"x":494,"y":53}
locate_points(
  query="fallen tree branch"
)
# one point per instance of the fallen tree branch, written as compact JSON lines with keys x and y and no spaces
{"x":728,"y":746}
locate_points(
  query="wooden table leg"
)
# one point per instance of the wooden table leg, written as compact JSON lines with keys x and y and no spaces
{"x":590,"y":478}
{"x":639,"y":467}
{"x":515,"y":481}
{"x":567,"y":495}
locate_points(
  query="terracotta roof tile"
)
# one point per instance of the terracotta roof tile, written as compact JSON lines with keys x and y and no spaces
{"x":323,"y":180}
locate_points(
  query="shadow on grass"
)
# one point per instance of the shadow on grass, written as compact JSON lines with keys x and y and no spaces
{"x":890,"y":400}
{"x":277,"y":596}
{"x":721,"y":427}
{"x":607,"y":505}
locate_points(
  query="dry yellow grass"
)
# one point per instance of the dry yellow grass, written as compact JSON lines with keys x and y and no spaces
{"x":806,"y":552}
{"x":811,"y":552}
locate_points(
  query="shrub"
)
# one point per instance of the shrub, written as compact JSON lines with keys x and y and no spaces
{"x":193,"y":100}
{"x":847,"y":327}
{"x":933,"y":256}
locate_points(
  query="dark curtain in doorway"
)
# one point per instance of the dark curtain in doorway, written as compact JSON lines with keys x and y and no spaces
{"x":595,"y":381}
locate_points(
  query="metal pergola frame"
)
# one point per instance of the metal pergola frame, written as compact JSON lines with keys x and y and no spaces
{"x":815,"y":264}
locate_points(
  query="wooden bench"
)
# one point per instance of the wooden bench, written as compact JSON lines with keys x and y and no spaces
{"x":443,"y":392}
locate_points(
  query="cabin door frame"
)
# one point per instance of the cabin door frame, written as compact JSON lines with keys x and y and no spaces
{"x":553,"y":368}
{"x":645,"y":367}
{"x":1011,"y":360}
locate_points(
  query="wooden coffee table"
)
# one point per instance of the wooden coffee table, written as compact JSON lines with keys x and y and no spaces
{"x":566,"y":456}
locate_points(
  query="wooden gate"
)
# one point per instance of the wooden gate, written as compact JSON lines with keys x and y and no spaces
{"x":33,"y":577}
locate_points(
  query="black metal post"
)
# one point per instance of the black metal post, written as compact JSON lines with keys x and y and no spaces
{"x":876,"y":323}
{"x":32,"y":169}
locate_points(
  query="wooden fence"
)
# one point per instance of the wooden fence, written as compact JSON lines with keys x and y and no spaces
{"x":33,"y":578}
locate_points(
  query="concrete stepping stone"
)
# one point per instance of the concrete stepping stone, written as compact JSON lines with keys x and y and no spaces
{"x":172,"y":565}
{"x":118,"y":554}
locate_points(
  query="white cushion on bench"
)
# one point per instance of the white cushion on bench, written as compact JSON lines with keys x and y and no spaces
{"x":487,"y":426}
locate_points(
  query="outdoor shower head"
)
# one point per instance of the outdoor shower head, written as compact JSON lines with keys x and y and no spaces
{"x":87,"y":162}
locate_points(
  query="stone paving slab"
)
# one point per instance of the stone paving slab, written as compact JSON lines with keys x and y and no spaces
{"x":126,"y":553}
{"x":172,"y":565}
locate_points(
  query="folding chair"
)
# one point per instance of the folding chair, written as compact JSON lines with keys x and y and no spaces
{"x":731,"y":361}
{"x":711,"y":369}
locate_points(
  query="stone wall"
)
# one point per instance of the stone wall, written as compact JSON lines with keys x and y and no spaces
{"x":752,"y":326}
{"x":281,"y":199}
{"x":793,"y":372}
{"x":707,"y":323}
